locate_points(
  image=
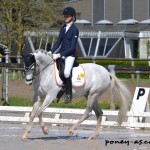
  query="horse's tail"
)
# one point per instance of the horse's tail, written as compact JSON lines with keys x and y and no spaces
{"x":125,"y":97}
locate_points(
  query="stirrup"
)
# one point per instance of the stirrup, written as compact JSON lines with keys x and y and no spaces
{"x":68,"y":99}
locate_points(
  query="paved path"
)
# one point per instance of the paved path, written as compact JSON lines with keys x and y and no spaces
{"x":57,"y":139}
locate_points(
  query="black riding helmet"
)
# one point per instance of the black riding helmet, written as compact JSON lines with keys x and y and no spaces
{"x":70,"y":12}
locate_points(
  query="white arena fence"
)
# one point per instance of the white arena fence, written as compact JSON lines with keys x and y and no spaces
{"x":21,"y":115}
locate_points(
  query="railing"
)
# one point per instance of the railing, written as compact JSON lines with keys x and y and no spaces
{"x":118,"y":69}
{"x":112,"y":68}
{"x":21,"y":114}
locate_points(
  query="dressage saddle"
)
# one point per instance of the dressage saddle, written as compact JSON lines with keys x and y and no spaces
{"x":67,"y":82}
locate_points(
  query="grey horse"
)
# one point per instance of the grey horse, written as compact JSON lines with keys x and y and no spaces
{"x":40,"y":70}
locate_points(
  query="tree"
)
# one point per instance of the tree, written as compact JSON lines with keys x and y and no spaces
{"x":18,"y":16}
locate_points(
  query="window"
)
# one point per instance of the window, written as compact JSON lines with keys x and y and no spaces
{"x":126,"y":9}
{"x":110,"y":44}
{"x":93,"y":46}
{"x":86,"y":44}
{"x":101,"y":47}
{"x":98,"y":10}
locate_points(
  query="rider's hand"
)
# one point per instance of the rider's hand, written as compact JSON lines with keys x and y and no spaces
{"x":56,"y":56}
{"x":50,"y":53}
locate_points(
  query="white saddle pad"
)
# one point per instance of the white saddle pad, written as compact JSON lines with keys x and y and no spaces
{"x":78,"y":77}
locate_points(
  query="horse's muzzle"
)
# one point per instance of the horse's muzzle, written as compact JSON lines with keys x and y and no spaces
{"x":28,"y":82}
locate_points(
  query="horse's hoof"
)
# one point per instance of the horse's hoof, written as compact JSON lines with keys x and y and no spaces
{"x":92,"y":137}
{"x":24,"y":137}
{"x":70,"y":132}
{"x":45,"y":131}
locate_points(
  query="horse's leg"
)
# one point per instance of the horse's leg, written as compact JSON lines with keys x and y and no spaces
{"x":98,"y":113}
{"x":44,"y":105}
{"x":32,"y":115}
{"x":42,"y":124}
{"x":86,"y":114}
{"x":84,"y":117}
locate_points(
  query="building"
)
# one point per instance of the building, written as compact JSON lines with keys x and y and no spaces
{"x":115,"y":28}
{"x":113,"y":10}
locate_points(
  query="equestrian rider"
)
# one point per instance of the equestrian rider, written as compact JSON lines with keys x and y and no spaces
{"x":67,"y":39}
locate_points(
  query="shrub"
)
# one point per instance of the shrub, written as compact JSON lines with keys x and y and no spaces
{"x":118,"y":62}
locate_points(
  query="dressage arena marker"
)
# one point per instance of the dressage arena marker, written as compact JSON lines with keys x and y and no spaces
{"x":140,"y":104}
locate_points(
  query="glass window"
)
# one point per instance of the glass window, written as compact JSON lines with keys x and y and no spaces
{"x":93,"y":47}
{"x":126,"y":9}
{"x":110,"y":44}
{"x":98,"y":10}
{"x":101,"y":47}
{"x":86,"y":44}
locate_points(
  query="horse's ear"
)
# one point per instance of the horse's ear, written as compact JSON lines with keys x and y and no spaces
{"x":24,"y":56}
{"x":28,"y":59}
{"x":48,"y":47}
{"x":32,"y":57}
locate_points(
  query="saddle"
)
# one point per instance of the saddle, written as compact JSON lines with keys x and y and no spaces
{"x":77,"y":78}
{"x":60,"y":63}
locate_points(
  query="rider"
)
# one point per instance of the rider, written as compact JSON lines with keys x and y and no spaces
{"x":67,"y":39}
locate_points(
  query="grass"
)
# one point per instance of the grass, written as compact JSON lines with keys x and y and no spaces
{"x":77,"y":103}
{"x":17,"y":101}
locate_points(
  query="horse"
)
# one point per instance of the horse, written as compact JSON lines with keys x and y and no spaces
{"x":39,"y":70}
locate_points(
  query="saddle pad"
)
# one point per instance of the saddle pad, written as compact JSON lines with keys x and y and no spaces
{"x":78,"y":76}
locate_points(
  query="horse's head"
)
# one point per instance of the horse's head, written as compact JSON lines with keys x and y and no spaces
{"x":35,"y":63}
{"x":29,"y":68}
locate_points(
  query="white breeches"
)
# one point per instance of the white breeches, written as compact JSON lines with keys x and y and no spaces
{"x":69,"y":61}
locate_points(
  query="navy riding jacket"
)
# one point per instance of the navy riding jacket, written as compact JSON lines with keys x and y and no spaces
{"x":67,"y":41}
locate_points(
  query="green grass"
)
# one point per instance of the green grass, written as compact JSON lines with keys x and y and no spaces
{"x":17,"y":101}
{"x":77,"y":103}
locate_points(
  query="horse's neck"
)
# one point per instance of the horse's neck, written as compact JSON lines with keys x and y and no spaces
{"x":46,"y":70}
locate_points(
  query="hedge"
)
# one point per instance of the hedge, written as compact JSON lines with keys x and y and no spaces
{"x":118,"y":62}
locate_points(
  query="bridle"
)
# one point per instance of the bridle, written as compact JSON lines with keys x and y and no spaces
{"x":33,"y":67}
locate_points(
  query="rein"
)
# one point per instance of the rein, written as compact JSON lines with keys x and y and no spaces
{"x":36,"y":74}
{"x":52,"y":62}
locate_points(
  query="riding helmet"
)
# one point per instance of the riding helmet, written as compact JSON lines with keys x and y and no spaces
{"x":69,"y":11}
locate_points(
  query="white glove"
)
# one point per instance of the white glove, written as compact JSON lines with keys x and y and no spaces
{"x":50,"y":53}
{"x":56,"y":56}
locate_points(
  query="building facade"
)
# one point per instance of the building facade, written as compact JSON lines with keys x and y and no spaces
{"x":129,"y":18}
{"x":113,"y":10}
{"x":116,"y":28}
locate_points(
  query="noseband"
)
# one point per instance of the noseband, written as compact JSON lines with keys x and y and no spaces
{"x":33,"y":67}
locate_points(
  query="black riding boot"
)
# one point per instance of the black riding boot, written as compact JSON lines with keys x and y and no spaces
{"x":60,"y":94}
{"x":68,"y":87}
